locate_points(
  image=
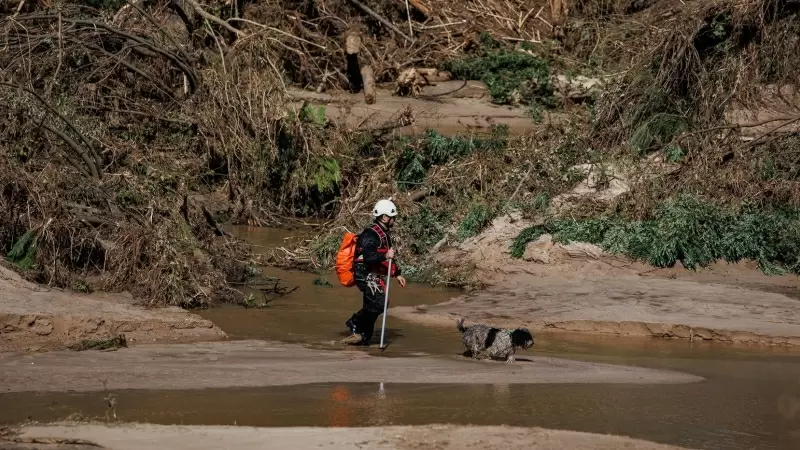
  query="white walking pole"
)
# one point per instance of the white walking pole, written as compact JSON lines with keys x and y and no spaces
{"x":386,"y":302}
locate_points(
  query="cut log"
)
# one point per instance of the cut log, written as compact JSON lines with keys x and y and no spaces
{"x":352,"y":45}
{"x":369,"y":84}
{"x":559,"y":10}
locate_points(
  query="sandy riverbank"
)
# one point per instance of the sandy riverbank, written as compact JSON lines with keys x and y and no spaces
{"x":34,"y":317}
{"x":140,"y":437}
{"x":579,"y":288}
{"x":259,"y":363}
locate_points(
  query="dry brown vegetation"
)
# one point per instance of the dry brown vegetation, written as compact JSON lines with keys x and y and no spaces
{"x":116,"y":114}
{"x":716,"y":58}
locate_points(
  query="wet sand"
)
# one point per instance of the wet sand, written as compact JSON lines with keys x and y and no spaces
{"x":258,"y":363}
{"x":434,"y":437}
{"x":579,"y":288}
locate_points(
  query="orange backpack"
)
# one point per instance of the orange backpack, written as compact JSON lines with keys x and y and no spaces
{"x":344,"y":259}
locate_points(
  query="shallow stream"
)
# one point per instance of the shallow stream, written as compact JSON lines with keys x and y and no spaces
{"x":750,"y":397}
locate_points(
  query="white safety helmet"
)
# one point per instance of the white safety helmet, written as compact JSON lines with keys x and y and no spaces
{"x":384,"y":207}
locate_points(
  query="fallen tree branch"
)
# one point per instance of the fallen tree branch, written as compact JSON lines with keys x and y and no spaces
{"x":77,"y":148}
{"x":212,"y":18}
{"x":211,"y":222}
{"x":127,"y":64}
{"x":277,"y":30}
{"x":193,"y":82}
{"x":368,"y":80}
{"x":772,"y":130}
{"x":150,"y":19}
{"x":380,"y":19}
{"x":733,"y":126}
{"x":419,"y":6}
{"x":178,"y":10}
{"x":94,"y":167}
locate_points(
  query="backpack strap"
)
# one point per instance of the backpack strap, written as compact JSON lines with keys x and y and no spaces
{"x":381,"y":234}
{"x":383,"y":238}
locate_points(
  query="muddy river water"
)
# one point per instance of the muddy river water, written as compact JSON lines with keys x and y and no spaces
{"x":750,"y":398}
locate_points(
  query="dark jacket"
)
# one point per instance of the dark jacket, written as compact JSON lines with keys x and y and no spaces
{"x":371,"y":252}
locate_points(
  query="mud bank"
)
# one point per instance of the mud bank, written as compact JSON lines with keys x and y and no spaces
{"x":35,"y":317}
{"x":448,"y":107}
{"x":258,"y":363}
{"x":135,"y":437}
{"x":579,"y":288}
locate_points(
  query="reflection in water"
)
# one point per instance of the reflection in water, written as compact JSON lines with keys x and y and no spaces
{"x":340,"y":414}
{"x":721,"y":414}
{"x":788,"y":406}
{"x":344,"y":407}
{"x":381,"y":402}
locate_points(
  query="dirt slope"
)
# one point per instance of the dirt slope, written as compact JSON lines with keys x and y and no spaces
{"x":135,"y":437}
{"x":579,"y":288}
{"x":449,"y":107}
{"x":35,"y":317}
{"x":258,"y":363}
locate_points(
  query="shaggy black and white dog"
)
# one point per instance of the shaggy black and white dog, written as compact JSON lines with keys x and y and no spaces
{"x":483,"y":341}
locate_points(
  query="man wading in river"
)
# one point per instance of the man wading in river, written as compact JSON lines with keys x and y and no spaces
{"x":373,"y":249}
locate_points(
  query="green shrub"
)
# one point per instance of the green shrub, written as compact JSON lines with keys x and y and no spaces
{"x":434,"y":149}
{"x":657,"y":132}
{"x":23,"y":252}
{"x":511,"y":76}
{"x":424,"y":229}
{"x":328,"y":175}
{"x":476,"y":219}
{"x":688,"y":230}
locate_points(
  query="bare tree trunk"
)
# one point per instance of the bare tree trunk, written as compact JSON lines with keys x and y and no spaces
{"x":352,"y":46}
{"x":369,"y":84}
{"x":559,"y":10}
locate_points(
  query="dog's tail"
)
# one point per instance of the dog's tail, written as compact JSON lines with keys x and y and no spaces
{"x":460,"y":325}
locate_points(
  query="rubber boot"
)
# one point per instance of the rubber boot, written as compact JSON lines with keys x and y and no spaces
{"x":355,"y":338}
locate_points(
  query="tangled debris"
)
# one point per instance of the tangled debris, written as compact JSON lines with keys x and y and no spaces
{"x":111,"y":343}
{"x":667,"y":119}
{"x":718,"y":60}
{"x":132,"y":129}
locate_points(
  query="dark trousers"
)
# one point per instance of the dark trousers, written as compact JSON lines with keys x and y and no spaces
{"x":373,"y":289}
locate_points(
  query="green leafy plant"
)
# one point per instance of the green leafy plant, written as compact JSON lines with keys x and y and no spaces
{"x":319,"y":281}
{"x":434,"y":149}
{"x":313,"y":114}
{"x":673,"y":154}
{"x":525,"y":236}
{"x":476,"y":219}
{"x":23,"y":252}
{"x":657,"y":131}
{"x":328,"y":175}
{"x":541,"y":202}
{"x":512,"y":76}
{"x":80,"y":286}
{"x":324,"y":248}
{"x":688,"y":230}
{"x":424,"y":229}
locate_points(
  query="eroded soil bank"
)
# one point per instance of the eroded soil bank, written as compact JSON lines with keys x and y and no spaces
{"x":448,"y":107}
{"x":135,"y":437}
{"x":579,"y":288}
{"x":34,"y":317}
{"x":258,"y":363}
